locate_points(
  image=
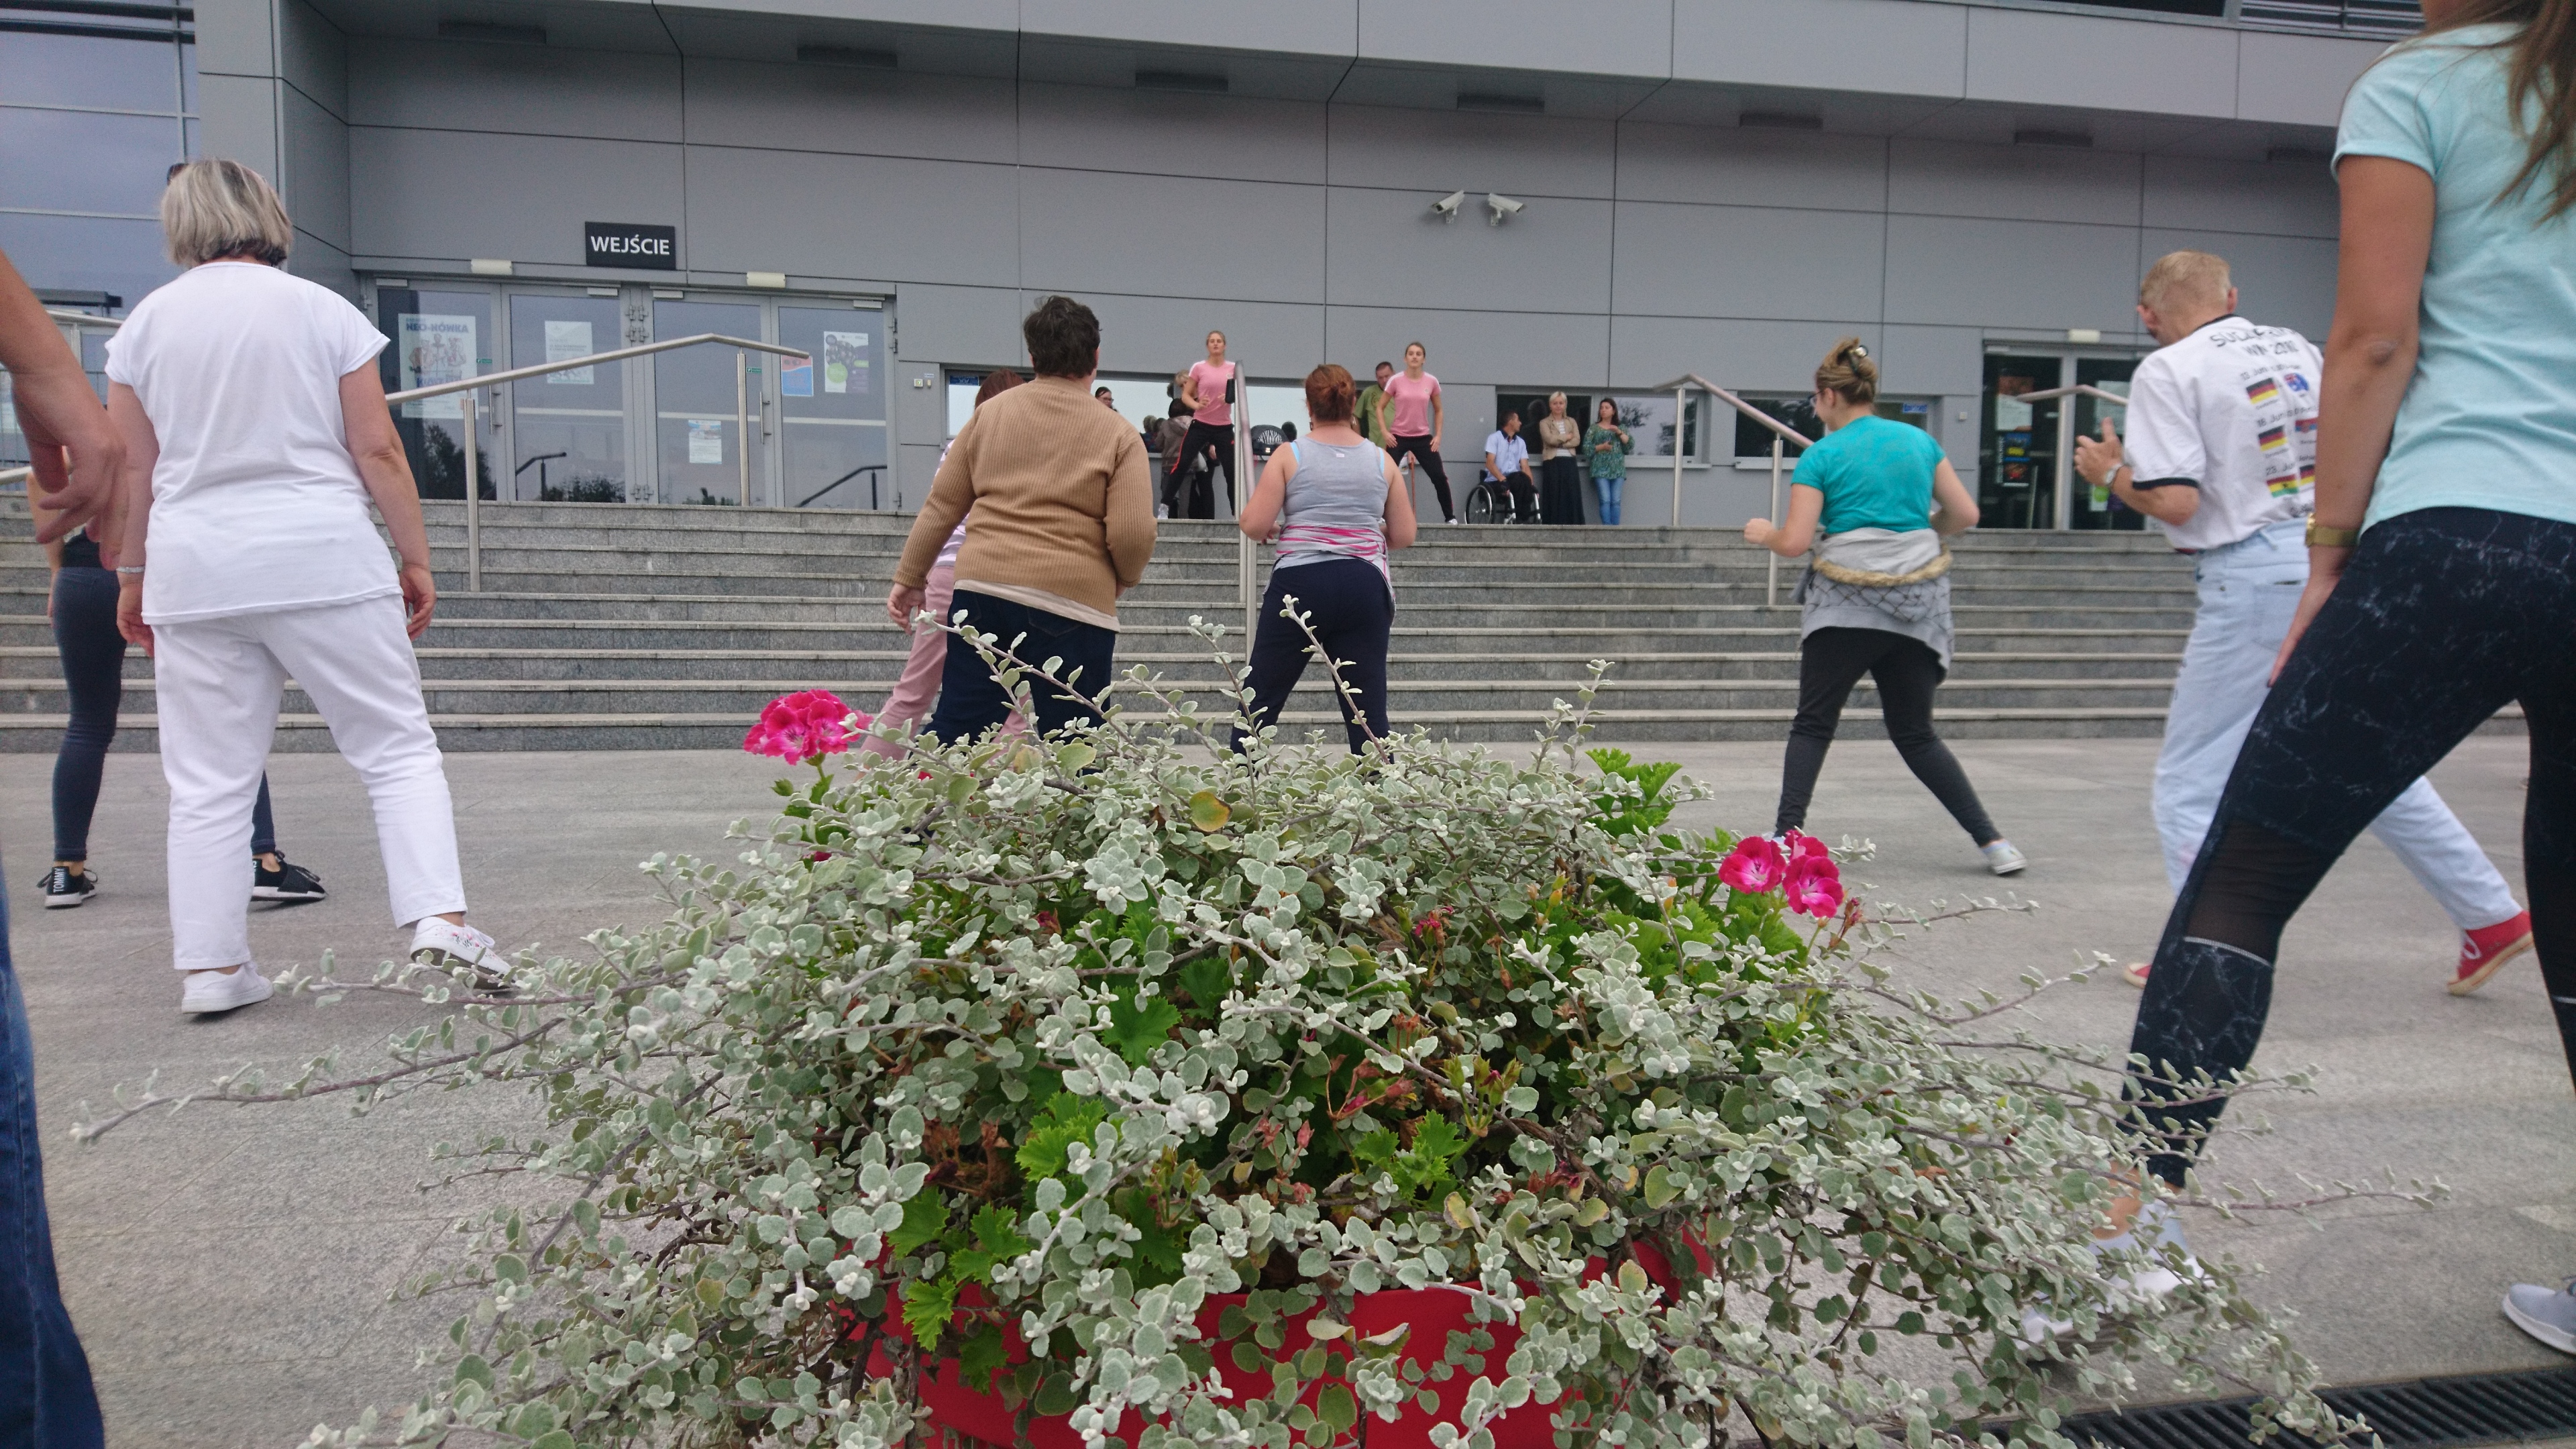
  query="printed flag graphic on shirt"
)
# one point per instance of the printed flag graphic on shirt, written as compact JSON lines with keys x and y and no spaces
{"x":2262,"y":391}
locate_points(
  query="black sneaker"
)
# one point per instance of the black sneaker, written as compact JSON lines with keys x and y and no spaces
{"x":289,"y":882}
{"x":63,"y":887}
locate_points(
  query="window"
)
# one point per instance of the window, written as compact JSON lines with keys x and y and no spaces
{"x":96,"y":102}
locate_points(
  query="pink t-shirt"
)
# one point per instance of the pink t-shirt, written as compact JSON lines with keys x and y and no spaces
{"x":1210,"y":380}
{"x":1408,"y":405}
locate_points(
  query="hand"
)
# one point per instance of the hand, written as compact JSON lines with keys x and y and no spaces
{"x":2325,"y":570}
{"x":1435,"y":442}
{"x":420,"y":598}
{"x":129,"y":612}
{"x":1758,"y":531}
{"x":2098,"y":460}
{"x":902,"y":604}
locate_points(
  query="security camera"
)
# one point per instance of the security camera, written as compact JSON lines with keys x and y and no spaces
{"x":1446,"y":208}
{"x":1500,"y":206}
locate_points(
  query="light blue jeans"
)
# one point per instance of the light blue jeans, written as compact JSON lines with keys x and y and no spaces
{"x":1609,"y":489}
{"x":2249,"y":592}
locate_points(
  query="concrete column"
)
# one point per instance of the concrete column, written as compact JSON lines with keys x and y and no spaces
{"x":273,"y":93}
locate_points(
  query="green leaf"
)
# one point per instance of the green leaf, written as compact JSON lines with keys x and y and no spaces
{"x":924,"y":1219}
{"x":1660,"y":1187}
{"x":1076,"y":756}
{"x":1136,"y":1030}
{"x":927,"y":1307}
{"x":1207,"y":980}
{"x":1335,"y":1406}
{"x":553,"y":1439}
{"x":1209,"y":813}
{"x":1066,"y":1120}
{"x":983,"y":1355}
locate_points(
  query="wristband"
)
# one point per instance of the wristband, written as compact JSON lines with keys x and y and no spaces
{"x":129,"y":568}
{"x":2320,"y":536}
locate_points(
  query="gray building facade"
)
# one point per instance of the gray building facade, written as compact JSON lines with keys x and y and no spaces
{"x":1720,"y":187}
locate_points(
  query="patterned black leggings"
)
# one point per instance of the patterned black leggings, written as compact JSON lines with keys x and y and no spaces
{"x":2443,"y":617}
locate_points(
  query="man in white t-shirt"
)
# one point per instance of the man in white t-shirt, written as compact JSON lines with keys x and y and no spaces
{"x":1507,"y":464}
{"x":2221,"y":453}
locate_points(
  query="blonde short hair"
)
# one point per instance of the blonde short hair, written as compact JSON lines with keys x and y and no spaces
{"x":214,"y":209}
{"x":2186,"y":277}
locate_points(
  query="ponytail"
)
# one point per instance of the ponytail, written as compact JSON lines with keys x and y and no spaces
{"x":1849,"y":374}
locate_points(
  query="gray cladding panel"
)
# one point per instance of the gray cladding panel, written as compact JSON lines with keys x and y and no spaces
{"x":1903,"y":47}
{"x":532,"y":90}
{"x":2281,"y":198}
{"x":1748,"y":356}
{"x":1490,"y":348}
{"x":1751,"y":167}
{"x":237,"y":117}
{"x":1163,"y":335}
{"x":1438,"y":152}
{"x":1388,"y":250}
{"x":1172,"y":133}
{"x":820,"y":215}
{"x":2288,"y":281}
{"x":2300,"y":79}
{"x":314,"y":56}
{"x":959,"y":324}
{"x":1745,"y":261}
{"x":850,"y":110}
{"x":1929,"y":361}
{"x":2015,"y":183}
{"x":1307,"y":27}
{"x":1171,"y":236}
{"x":434,"y":193}
{"x":2010,"y":274}
{"x":315,"y":173}
{"x":236,"y":37}
{"x":1602,"y":37}
{"x":2092,"y":60}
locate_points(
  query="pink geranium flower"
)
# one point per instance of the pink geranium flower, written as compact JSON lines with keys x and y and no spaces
{"x":806,"y":725}
{"x":1803,"y":847}
{"x":1815,"y":887}
{"x":1755,"y":867}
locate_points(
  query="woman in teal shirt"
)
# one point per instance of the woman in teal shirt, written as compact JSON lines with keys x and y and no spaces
{"x":1877,"y":598}
{"x":1605,"y":448}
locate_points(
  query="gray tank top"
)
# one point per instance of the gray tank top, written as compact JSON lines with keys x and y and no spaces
{"x":1335,"y":506}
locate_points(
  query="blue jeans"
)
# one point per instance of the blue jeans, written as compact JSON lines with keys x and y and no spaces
{"x":46,"y":1401}
{"x":1609,"y":488}
{"x":971,"y":701}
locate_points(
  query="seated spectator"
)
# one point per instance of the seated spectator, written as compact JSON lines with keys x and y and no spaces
{"x":1507,"y":467}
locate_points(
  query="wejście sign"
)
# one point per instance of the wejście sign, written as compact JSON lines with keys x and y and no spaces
{"x":630,"y":244}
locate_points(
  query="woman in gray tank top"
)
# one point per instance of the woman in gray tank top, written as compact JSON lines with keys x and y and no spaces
{"x":1334,"y":504}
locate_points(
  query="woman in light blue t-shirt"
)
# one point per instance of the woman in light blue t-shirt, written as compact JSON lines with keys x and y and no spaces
{"x":2443,"y":548}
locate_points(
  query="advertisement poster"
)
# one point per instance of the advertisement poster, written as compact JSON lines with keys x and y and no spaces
{"x":706,"y":441}
{"x":796,"y":377}
{"x":434,"y":349}
{"x":845,"y":362}
{"x":565,"y":341}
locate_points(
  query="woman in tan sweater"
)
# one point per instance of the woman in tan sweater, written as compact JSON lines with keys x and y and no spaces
{"x":1064,"y":524}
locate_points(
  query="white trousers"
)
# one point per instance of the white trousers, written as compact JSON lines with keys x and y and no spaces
{"x":220,"y":682}
{"x":2249,"y":592}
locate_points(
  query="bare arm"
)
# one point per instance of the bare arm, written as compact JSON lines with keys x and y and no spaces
{"x":1439,"y":418}
{"x":1190,"y":391}
{"x":1797,"y":533}
{"x":70,"y":443}
{"x":2387,"y":241}
{"x":368,"y":427}
{"x":2103,"y":462}
{"x":1401,"y":526}
{"x":1957,"y":512}
{"x":141,"y":449}
{"x":1260,"y":515}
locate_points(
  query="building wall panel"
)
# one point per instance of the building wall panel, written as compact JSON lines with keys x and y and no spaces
{"x":1170,"y":236}
{"x":1899,"y":47}
{"x":2284,"y":280}
{"x":525,"y":89}
{"x":1388,"y":250}
{"x":468,"y":194}
{"x":1752,"y":167}
{"x":2098,"y":61}
{"x":1098,"y":128}
{"x":850,"y":110}
{"x":2013,"y":183}
{"x":1437,"y":152}
{"x":2019,"y":274}
{"x":850,"y":216}
{"x":1745,"y":261}
{"x":2285,"y":198}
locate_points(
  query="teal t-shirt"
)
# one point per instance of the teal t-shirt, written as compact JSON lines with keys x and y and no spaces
{"x":1874,"y":473}
{"x":2489,"y":420}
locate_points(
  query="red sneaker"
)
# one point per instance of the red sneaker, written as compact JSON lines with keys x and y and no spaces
{"x":2135,"y":973}
{"x":2486,"y":949}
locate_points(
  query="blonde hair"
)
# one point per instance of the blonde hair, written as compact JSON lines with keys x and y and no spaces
{"x":2185,"y":277}
{"x":1848,"y":373}
{"x":213,"y":209}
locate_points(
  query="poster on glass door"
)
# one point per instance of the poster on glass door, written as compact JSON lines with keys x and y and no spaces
{"x":706,"y":440}
{"x":845,"y":362}
{"x":564,"y":342}
{"x":433,"y":349}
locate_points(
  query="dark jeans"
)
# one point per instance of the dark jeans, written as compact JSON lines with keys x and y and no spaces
{"x":46,"y":1401}
{"x":1522,"y":492}
{"x":971,"y":701}
{"x":2442,"y":617}
{"x":1560,"y":491}
{"x":1201,"y":503}
{"x":1431,"y":464}
{"x":1347,"y":602}
{"x":94,"y":677}
{"x":1830,"y":662}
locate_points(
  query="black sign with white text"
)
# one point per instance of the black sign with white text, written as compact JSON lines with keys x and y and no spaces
{"x":630,"y":244}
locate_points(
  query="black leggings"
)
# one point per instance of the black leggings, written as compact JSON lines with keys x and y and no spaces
{"x":1346,"y":600}
{"x":94,"y":677}
{"x":1201,"y":438}
{"x":1421,"y":448}
{"x":2443,"y":616}
{"x":1830,"y":662}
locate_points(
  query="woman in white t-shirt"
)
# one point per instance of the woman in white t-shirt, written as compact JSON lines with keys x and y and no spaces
{"x":255,"y":433}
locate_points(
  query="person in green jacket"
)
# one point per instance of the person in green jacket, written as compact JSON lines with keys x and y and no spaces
{"x":1605,"y":449}
{"x":1372,"y":408}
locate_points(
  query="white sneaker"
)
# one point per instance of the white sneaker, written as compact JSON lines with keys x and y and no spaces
{"x":2001,"y":858}
{"x":207,"y":992}
{"x":443,"y":946}
{"x":2143,"y":1289}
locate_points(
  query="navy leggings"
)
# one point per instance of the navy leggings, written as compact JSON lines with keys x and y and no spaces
{"x":2443,"y":616}
{"x":1347,"y":601}
{"x":1420,"y":449}
{"x":94,"y":676}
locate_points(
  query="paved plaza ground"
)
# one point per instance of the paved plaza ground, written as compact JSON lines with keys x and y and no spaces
{"x":230,"y":1269}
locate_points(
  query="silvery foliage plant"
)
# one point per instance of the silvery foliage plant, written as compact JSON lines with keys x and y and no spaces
{"x":1014,"y":1053}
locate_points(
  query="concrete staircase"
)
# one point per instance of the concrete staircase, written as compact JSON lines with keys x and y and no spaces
{"x":659,"y":627}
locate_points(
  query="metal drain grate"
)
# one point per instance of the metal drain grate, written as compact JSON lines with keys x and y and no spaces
{"x":2468,"y":1409}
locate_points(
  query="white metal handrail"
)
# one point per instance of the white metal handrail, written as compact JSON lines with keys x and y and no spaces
{"x":85,"y":319}
{"x":473,"y":438}
{"x":2081,"y":389}
{"x":1781,"y":436}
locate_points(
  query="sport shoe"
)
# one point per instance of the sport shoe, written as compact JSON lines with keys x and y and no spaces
{"x":2135,"y":973}
{"x":2482,"y":952}
{"x":65,"y":887}
{"x":289,"y":882}
{"x":2144,"y":1288}
{"x":444,"y":946}
{"x":2001,"y":858}
{"x":207,"y":992}
{"x":2547,"y":1314}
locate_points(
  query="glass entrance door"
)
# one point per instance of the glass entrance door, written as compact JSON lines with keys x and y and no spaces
{"x":438,"y":336}
{"x":2018,"y":448}
{"x":698,"y":444}
{"x":831,"y":408}
{"x":568,"y":429}
{"x":2095,"y":507}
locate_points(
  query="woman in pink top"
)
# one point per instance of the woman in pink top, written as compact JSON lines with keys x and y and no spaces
{"x":1204,"y":388}
{"x":917,"y":689}
{"x":1414,"y":414}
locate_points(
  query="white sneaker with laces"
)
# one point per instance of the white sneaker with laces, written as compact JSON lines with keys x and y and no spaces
{"x":2002,"y":858}
{"x":207,"y":992}
{"x":2142,"y":1289}
{"x":444,"y":945}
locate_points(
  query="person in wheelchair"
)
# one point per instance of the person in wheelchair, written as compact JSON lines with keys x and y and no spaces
{"x":1507,"y":472}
